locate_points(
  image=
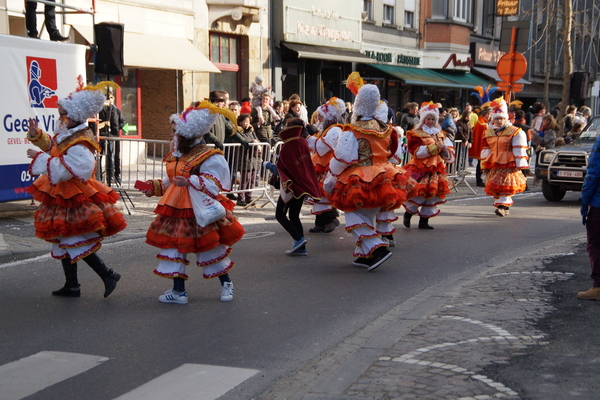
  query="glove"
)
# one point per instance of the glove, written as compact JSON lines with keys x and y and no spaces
{"x":584,"y":213}
{"x":329,"y":183}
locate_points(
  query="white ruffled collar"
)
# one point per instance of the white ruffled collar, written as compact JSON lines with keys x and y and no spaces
{"x":63,"y":133}
{"x":430,"y":131}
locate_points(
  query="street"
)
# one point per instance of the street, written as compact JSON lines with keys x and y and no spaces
{"x":287,"y":311}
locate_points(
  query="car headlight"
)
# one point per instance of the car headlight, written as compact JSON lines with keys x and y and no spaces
{"x":547,"y":157}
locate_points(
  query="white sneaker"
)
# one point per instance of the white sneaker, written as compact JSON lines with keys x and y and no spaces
{"x":171,"y":297}
{"x":227,"y":291}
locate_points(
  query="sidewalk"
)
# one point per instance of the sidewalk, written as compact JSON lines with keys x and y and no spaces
{"x":474,"y":338}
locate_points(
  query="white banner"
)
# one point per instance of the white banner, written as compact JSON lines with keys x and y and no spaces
{"x":34,"y":74}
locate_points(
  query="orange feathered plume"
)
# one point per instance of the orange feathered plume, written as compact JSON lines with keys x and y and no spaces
{"x":354,"y":82}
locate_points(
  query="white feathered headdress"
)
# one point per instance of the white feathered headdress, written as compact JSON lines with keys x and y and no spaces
{"x":499,"y":108}
{"x":86,"y":102}
{"x":332,"y":110}
{"x":367,"y":101}
{"x":196,"y":121}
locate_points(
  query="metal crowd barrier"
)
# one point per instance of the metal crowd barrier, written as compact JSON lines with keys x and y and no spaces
{"x":142,"y":159}
{"x":457,"y":171}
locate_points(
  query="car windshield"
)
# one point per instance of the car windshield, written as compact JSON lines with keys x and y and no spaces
{"x":591,"y":133}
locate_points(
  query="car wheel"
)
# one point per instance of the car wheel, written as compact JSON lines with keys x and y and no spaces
{"x":552,"y":192}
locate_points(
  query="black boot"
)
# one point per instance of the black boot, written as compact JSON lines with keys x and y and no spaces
{"x":31,"y":19}
{"x":71,"y":287}
{"x":109,"y":276}
{"x":50,"y":20}
{"x":406,"y":219}
{"x":424,"y":223}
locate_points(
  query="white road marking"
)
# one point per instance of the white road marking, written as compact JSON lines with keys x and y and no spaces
{"x":29,"y":375}
{"x":191,"y":381}
{"x":257,"y":235}
{"x":3,"y":244}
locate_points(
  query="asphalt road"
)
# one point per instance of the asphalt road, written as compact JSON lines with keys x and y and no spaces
{"x":286,"y":311}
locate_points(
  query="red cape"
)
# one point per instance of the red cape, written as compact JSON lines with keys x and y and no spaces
{"x":295,"y":166}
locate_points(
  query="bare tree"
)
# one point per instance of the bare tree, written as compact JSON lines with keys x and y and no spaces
{"x":567,"y":59}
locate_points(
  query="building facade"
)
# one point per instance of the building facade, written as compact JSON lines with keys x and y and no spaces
{"x":175,"y":52}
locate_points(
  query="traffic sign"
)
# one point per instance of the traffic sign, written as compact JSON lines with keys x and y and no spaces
{"x":510,"y":87}
{"x":512,"y":67}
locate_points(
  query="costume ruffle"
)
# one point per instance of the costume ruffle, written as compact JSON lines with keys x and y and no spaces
{"x":73,"y":208}
{"x":384,"y":185}
{"x":430,"y":183}
{"x":171,"y":231}
{"x":505,"y":182}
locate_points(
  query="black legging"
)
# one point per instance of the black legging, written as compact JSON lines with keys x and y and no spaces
{"x":292,"y":225}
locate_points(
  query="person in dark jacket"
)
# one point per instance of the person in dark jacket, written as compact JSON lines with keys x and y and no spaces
{"x":590,"y":213}
{"x":111,"y":122}
{"x":222,"y":127}
{"x":464,"y":131}
{"x":250,"y":161}
{"x":410,"y":120}
{"x":264,"y":131}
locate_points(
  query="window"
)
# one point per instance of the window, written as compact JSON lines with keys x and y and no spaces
{"x":224,"y":50}
{"x":409,"y":19}
{"x":388,"y":14}
{"x":368,"y":10}
{"x":462,"y":9}
{"x":130,"y":102}
{"x":439,"y":9}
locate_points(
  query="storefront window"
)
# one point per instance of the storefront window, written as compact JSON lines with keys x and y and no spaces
{"x":224,"y":51}
{"x":129,"y":103}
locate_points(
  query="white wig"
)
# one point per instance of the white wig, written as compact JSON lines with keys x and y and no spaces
{"x":367,"y":101}
{"x":332,"y":110}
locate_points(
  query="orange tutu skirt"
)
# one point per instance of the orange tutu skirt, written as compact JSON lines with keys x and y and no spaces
{"x":74,"y":208}
{"x":431,"y":183}
{"x":385,"y":186}
{"x":177,"y":229}
{"x":504,"y":182}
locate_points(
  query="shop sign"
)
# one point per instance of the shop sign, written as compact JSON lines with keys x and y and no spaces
{"x":458,"y":63}
{"x":335,"y":23}
{"x":389,"y":58}
{"x":507,"y":8}
{"x":487,"y":55}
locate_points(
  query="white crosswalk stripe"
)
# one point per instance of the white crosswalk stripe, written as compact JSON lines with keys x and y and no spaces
{"x":191,"y":381}
{"x":24,"y":377}
{"x":29,"y":375}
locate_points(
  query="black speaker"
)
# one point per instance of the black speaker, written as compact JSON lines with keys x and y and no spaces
{"x":109,"y":40}
{"x":579,"y":85}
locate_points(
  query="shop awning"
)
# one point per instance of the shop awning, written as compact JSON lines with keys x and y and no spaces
{"x":464,"y":80}
{"x":328,"y":53}
{"x":416,"y":76}
{"x":152,"y":51}
{"x":491,"y":73}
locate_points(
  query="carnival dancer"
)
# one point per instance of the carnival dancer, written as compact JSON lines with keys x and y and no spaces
{"x":430,"y":150}
{"x":362,"y":182}
{"x":196,"y":174}
{"x":503,"y":156}
{"x":298,"y":181}
{"x":321,"y":146}
{"x":76,"y":211}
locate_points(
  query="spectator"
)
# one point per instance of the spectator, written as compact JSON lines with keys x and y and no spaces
{"x":474,"y":116}
{"x":539,"y":110}
{"x":411,"y":119}
{"x":258,"y":89}
{"x":111,"y":121}
{"x":222,"y":128}
{"x":556,"y":110}
{"x":264,"y":131}
{"x":246,"y":107}
{"x":583,"y":114}
{"x":250,"y":161}
{"x":449,"y":126}
{"x":49,"y":19}
{"x":303,"y":111}
{"x":464,"y":132}
{"x":590,"y":212}
{"x":235,"y":107}
{"x":569,"y":119}
{"x":574,"y":133}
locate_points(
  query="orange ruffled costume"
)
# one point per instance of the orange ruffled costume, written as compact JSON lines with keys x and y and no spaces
{"x":504,"y":178}
{"x":175,"y":226}
{"x":75,"y":207}
{"x":430,"y":172}
{"x":372,"y":181}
